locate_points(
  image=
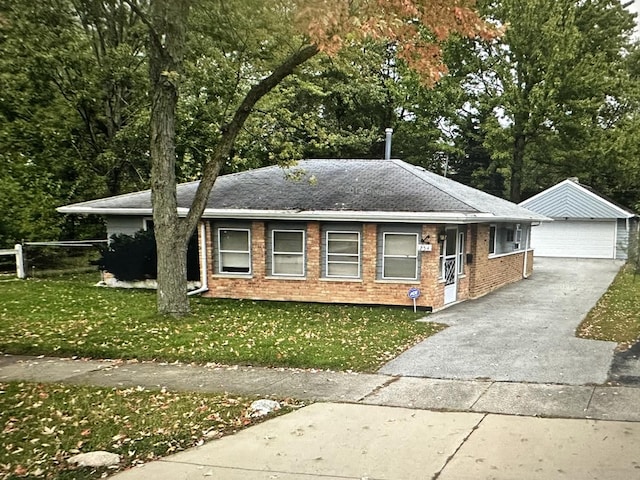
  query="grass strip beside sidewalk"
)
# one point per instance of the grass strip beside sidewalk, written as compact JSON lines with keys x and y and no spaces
{"x":68,"y":316}
{"x":44,"y":425}
{"x":616,"y":316}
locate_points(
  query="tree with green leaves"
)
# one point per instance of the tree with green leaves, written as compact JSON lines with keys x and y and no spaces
{"x":300,"y":31}
{"x":73,"y":115}
{"x":555,"y":84}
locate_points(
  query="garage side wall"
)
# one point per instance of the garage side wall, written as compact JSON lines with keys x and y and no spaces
{"x":622,"y":239}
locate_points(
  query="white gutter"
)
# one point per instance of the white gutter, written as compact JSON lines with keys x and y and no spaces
{"x":320,"y":215}
{"x":79,"y":209}
{"x":204,"y":287}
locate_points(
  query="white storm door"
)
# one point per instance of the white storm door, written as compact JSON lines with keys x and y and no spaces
{"x":450,"y":267}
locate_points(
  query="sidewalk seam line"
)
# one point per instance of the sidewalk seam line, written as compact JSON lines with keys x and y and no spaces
{"x":246,"y":469}
{"x":593,"y":391}
{"x":388,"y":382}
{"x":464,"y":440}
{"x":481,"y":395}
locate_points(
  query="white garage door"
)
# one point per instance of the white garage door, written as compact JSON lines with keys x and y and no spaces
{"x":574,"y":239}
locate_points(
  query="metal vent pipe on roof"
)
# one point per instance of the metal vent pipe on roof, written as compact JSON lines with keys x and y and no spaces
{"x":387,"y":143}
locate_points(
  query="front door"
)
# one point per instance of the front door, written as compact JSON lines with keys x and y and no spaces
{"x":450,"y":268}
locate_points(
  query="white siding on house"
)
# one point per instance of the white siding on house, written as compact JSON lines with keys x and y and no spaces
{"x":123,"y":224}
{"x":622,"y":239}
{"x":579,"y":239}
{"x":571,"y":200}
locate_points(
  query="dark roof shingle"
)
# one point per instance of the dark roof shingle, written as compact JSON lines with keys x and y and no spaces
{"x":330,"y":186}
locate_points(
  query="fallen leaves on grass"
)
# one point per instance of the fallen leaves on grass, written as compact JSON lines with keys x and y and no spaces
{"x":616,"y":316}
{"x":71,"y":317}
{"x":40,"y":433}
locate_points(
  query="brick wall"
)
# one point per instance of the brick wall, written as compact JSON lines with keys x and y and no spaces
{"x":313,"y":288}
{"x":481,"y":276}
{"x":491,"y":273}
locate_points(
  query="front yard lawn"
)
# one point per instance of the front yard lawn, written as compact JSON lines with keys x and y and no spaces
{"x":616,"y":316}
{"x":44,"y":425}
{"x":67,"y":316}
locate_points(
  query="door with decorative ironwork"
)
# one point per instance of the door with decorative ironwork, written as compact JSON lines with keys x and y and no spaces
{"x":450,"y":268}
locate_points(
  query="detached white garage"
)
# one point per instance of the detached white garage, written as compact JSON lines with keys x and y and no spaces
{"x":586,"y":224}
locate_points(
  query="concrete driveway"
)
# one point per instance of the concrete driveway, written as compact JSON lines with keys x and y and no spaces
{"x":520,"y":333}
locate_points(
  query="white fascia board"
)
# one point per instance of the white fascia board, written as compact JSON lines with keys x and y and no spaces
{"x":104,"y":211}
{"x":317,"y":215}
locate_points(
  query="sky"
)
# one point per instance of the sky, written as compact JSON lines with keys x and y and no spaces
{"x":635,"y":7}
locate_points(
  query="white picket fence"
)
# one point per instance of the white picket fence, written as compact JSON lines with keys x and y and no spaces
{"x":19,"y":254}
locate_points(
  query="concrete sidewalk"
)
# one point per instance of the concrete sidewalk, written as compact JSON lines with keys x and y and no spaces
{"x":526,"y":399}
{"x":347,"y":441}
{"x":378,"y":427}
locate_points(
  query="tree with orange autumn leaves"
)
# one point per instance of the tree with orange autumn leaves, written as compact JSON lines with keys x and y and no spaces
{"x":303,"y":29}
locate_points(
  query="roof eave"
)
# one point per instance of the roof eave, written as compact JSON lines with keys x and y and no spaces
{"x":85,"y":210}
{"x":346,"y":215}
{"x":320,"y":215}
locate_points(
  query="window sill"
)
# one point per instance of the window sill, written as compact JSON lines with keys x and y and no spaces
{"x":285,"y":277}
{"x":516,"y":252}
{"x":341,"y":279}
{"x":244,"y":276}
{"x":398,"y":281}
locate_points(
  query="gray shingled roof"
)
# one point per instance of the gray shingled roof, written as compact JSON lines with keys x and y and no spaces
{"x":340,"y":186}
{"x":569,"y":199}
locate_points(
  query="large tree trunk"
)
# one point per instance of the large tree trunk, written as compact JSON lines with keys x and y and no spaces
{"x":167,"y":31}
{"x":167,"y":45}
{"x":172,"y":275}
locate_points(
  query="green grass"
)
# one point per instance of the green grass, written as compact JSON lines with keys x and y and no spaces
{"x":616,"y":316}
{"x":44,"y":425}
{"x":68,"y":316}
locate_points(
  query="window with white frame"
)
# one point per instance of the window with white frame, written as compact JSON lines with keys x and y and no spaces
{"x":287,"y":250}
{"x":400,"y":256}
{"x":234,"y":250}
{"x":505,"y":238}
{"x":343,"y":254}
{"x":517,"y":239}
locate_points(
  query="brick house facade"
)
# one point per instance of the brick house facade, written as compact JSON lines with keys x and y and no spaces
{"x":346,"y":231}
{"x":482,"y":272}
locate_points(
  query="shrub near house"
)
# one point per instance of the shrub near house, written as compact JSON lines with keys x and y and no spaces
{"x":133,"y":257}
